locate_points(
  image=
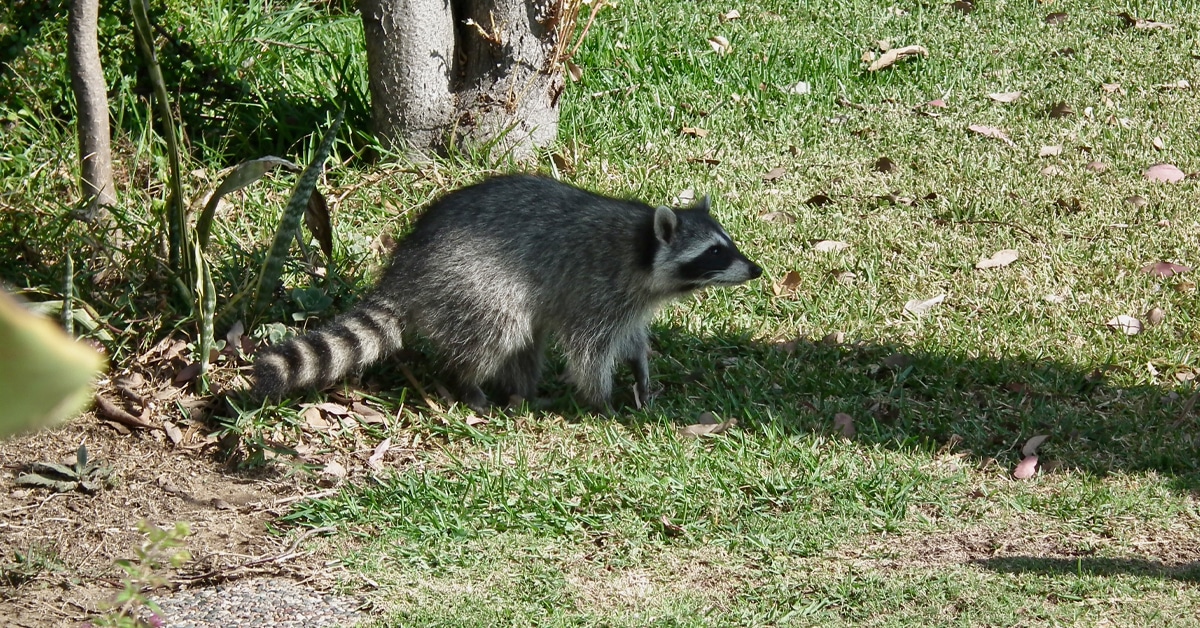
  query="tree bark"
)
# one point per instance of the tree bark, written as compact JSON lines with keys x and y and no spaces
{"x":91,"y":101}
{"x":449,"y":72}
{"x":410,"y":57}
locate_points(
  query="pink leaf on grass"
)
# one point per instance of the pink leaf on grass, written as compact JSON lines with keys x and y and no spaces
{"x":1165,"y":269}
{"x":1026,"y":469}
{"x":1166,"y":173}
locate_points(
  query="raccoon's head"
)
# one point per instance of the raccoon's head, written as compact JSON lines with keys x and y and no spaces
{"x":694,"y":252}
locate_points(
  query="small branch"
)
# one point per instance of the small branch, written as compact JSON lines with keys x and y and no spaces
{"x":110,"y":411}
{"x":435,"y":406}
{"x":227,"y":572}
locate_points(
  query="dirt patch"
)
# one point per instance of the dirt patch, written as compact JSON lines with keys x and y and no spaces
{"x":58,"y":548}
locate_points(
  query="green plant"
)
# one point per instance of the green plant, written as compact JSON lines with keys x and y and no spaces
{"x":161,"y":548}
{"x":85,"y":475}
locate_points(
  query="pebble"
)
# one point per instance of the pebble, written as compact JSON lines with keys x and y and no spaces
{"x":255,"y":602}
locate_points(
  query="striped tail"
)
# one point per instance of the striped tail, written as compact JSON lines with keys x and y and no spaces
{"x":353,"y":340}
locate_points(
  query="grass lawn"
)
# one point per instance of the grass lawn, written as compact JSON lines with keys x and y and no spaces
{"x":556,"y":520}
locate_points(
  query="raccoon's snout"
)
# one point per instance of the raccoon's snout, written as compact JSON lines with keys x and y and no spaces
{"x":755,"y":270}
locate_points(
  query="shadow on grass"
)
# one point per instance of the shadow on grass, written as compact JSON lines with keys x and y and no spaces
{"x":900,"y":396}
{"x":1090,"y":566}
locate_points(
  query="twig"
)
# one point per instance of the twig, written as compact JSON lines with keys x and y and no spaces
{"x":108,"y":410}
{"x":227,"y":572}
{"x":435,"y":406}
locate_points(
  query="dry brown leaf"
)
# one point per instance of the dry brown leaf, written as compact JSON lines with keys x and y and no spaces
{"x":1157,"y":142}
{"x":1031,"y":446}
{"x":732,"y":14}
{"x":936,"y":103}
{"x":1165,"y":269}
{"x":694,"y":131}
{"x":919,"y":306}
{"x":1057,"y":18}
{"x":1166,"y":173}
{"x":334,"y":469}
{"x":1096,"y":166}
{"x":1026,"y":469}
{"x":845,"y":277}
{"x":867,"y":56}
{"x":787,"y":285}
{"x":1137,"y":201}
{"x":1061,"y":110}
{"x":774,"y":173}
{"x":368,"y":414}
{"x":475,"y":419}
{"x":1143,"y":24}
{"x":890,"y":57}
{"x":376,"y":459}
{"x":992,"y":132}
{"x":999,"y":259}
{"x":1112,"y":88}
{"x":884,"y":164}
{"x":1155,"y":316}
{"x":830,"y":246}
{"x":844,"y":423}
{"x":778,"y":217}
{"x":818,"y":200}
{"x":1052,"y":171}
{"x":173,"y":432}
{"x":1180,"y":84}
{"x":719,"y":44}
{"x":1050,"y":151}
{"x":963,"y":6}
{"x":1125,"y":324}
{"x":1005,"y":97}
{"x":335,"y":409}
{"x":314,"y":420}
{"x":706,"y":425}
{"x":574,"y":71}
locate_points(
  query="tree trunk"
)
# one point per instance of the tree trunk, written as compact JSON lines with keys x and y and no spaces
{"x":482,"y":72}
{"x":91,"y":100}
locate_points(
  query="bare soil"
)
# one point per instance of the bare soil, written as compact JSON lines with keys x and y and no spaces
{"x":57,"y":549}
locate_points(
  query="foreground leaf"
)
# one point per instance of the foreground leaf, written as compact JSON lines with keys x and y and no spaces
{"x":1125,"y":324}
{"x":1165,"y":173}
{"x":918,"y":306}
{"x":890,"y":57}
{"x":999,"y":259}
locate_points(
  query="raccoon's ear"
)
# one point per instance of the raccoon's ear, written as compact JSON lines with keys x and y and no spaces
{"x":703,"y":205}
{"x":664,"y":224}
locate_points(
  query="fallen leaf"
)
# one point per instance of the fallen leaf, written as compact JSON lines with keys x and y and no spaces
{"x":1137,"y":201}
{"x":719,"y":44}
{"x":801,"y":88}
{"x":1142,"y":24}
{"x":335,"y":409}
{"x":1157,"y":142}
{"x":1165,"y":269}
{"x":1031,"y":445}
{"x":788,"y":284}
{"x":233,"y":337}
{"x":834,"y":338}
{"x":918,"y":306}
{"x":1005,"y":97}
{"x":1050,"y":151}
{"x":1112,"y":88}
{"x":1061,"y":110}
{"x":711,"y":161}
{"x":706,"y":425}
{"x":844,"y":423}
{"x":845,"y":277}
{"x":1127,"y":325}
{"x":376,"y":459}
{"x":732,"y":14}
{"x":333,"y":468}
{"x":1051,"y":171}
{"x":475,"y":419}
{"x":574,"y":71}
{"x":818,"y":200}
{"x":868,"y":56}
{"x":1180,"y":84}
{"x":999,"y":259}
{"x":1166,"y":173}
{"x":963,"y":6}
{"x":937,"y":102}
{"x":992,"y":132}
{"x":1055,"y":19}
{"x":1096,"y":166}
{"x":883,"y":164}
{"x":830,"y":246}
{"x":368,"y":414}
{"x":694,"y":131}
{"x":686,"y":197}
{"x":890,"y":57}
{"x":1155,"y":316}
{"x":187,"y":373}
{"x":173,"y":432}
{"x":670,"y":528}
{"x":778,"y":217}
{"x":1026,"y":469}
{"x":774,"y":173}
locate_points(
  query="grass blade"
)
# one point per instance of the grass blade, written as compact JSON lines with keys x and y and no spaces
{"x":243,"y":175}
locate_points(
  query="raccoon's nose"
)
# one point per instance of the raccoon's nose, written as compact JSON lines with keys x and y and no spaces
{"x":755,"y":270}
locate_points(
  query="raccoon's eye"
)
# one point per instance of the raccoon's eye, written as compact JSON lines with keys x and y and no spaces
{"x":714,"y":250}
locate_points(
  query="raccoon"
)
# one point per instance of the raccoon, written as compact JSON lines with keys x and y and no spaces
{"x":494,"y":272}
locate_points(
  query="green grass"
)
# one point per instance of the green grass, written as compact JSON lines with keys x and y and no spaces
{"x":540,"y":519}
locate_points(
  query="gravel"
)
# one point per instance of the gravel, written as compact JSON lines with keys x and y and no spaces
{"x":260,"y":602}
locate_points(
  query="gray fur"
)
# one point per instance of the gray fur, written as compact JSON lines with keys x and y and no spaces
{"x":493,"y":272}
